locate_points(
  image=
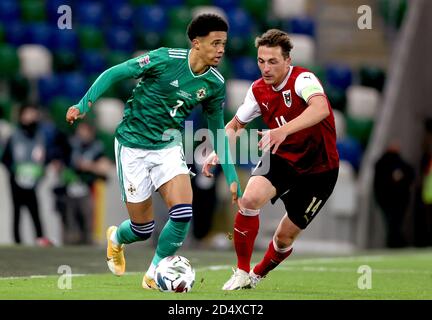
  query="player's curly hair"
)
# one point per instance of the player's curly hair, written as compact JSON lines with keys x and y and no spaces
{"x":205,"y":23}
{"x":275,"y":38}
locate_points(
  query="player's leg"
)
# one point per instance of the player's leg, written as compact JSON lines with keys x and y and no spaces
{"x":177,"y":194}
{"x":303,"y":202}
{"x":258,"y":192}
{"x":278,"y":249}
{"x":135,"y":187}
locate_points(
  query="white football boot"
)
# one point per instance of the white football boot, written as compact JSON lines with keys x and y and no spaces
{"x":239,"y":280}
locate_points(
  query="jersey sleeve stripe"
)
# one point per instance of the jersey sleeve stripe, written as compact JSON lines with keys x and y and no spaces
{"x":315,"y":95}
{"x":182,"y":51}
{"x":217,"y":75}
{"x":177,"y":57}
{"x":239,"y":121}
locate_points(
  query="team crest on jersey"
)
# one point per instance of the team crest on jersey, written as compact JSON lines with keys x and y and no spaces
{"x":201,"y":93}
{"x":143,"y":61}
{"x":287,"y":97}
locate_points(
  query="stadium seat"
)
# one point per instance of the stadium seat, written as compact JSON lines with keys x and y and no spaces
{"x":200,"y":9}
{"x":2,"y":34}
{"x":92,"y":62}
{"x":40,"y":33}
{"x":121,"y":14}
{"x":65,"y":61}
{"x":52,"y":8}
{"x":240,"y":22}
{"x":340,"y":123}
{"x":236,"y":93}
{"x":35,"y":61}
{"x":149,"y":40}
{"x":32,"y":11}
{"x":257,"y":8}
{"x":371,"y":76}
{"x":65,"y":39}
{"x":171,"y":3}
{"x":360,"y":129}
{"x":281,"y":10}
{"x":150,"y":18}
{"x":9,"y":62}
{"x":196,"y":3}
{"x":90,"y":13}
{"x":226,"y":5}
{"x":179,"y":18}
{"x":109,"y":113}
{"x":120,"y":39}
{"x":19,"y":88}
{"x":246,"y":68}
{"x":349,"y":149}
{"x":339,"y":76}
{"x":175,"y":38}
{"x":362,"y":102}
{"x":73,"y":85}
{"x":318,"y":71}
{"x":336,"y":96}
{"x":141,"y":2}
{"x":48,"y":88}
{"x":90,"y":37}
{"x":236,"y":46}
{"x":15,"y":33}
{"x":301,"y":25}
{"x":393,"y":11}
{"x":6,"y":107}
{"x":9,"y":11}
{"x":303,"y":52}
{"x":343,"y":201}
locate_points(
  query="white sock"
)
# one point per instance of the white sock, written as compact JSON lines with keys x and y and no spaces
{"x":151,"y":271}
{"x":114,"y":238}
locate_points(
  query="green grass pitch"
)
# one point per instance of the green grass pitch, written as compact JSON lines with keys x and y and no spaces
{"x":33,"y":273}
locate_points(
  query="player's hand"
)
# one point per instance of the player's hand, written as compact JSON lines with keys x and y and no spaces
{"x":233,"y":190}
{"x":209,"y":162}
{"x":271,"y":140}
{"x":73,"y":114}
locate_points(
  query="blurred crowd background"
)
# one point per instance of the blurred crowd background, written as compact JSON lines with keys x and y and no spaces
{"x":69,"y":170}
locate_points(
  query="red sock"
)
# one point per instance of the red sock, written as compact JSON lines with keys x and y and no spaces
{"x":271,"y":260}
{"x":245,"y":232}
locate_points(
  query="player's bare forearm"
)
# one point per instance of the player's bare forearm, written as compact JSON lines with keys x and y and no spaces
{"x":317,"y":111}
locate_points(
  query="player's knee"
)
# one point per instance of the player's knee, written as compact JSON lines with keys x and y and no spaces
{"x":250,"y":202}
{"x":283,"y":241}
{"x":143,"y":230}
{"x":181,"y":212}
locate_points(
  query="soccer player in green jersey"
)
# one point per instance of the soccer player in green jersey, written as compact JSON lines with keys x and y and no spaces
{"x":173,"y":82}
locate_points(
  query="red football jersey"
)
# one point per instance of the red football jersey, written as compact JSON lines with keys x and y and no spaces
{"x":310,"y":150}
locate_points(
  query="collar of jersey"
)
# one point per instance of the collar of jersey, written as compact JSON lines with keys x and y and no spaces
{"x":279,"y":88}
{"x":192,"y":73}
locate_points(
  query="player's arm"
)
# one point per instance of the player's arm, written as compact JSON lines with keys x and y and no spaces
{"x":215,"y":118}
{"x":133,"y":68}
{"x":308,"y":88}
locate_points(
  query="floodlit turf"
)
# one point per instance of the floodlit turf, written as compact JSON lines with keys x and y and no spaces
{"x":403,"y":274}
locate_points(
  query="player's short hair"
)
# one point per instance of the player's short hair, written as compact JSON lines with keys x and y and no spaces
{"x":205,"y":23}
{"x":275,"y":38}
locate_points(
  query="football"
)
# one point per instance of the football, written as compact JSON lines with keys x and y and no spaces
{"x":175,"y":274}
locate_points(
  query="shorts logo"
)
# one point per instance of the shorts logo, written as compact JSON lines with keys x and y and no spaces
{"x":131,"y":189}
{"x":201,"y":93}
{"x":287,"y":97}
{"x":143,"y":61}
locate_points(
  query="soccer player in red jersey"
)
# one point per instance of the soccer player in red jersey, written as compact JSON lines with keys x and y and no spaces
{"x":302,"y":163}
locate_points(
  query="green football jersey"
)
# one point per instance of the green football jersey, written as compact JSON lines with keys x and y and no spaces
{"x":165,"y":96}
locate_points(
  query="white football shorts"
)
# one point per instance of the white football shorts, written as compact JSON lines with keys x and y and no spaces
{"x":141,"y":171}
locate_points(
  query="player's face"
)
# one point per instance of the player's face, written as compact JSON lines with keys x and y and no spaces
{"x":212,"y":47}
{"x":274,"y":67}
